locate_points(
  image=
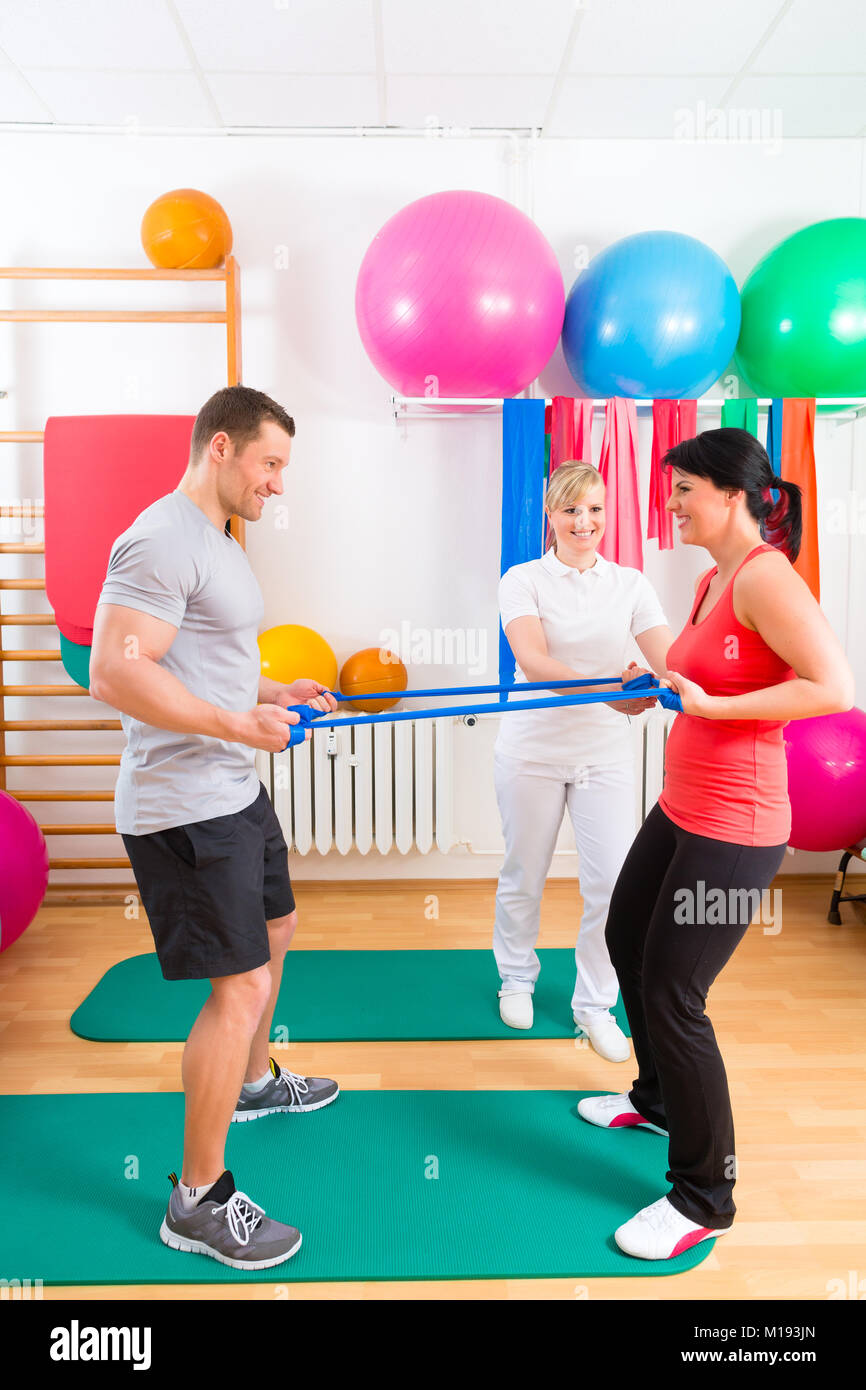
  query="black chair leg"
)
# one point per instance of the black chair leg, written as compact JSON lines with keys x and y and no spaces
{"x":833,"y":915}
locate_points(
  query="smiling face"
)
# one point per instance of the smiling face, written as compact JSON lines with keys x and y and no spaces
{"x":579,"y":526}
{"x":701,"y":510}
{"x":249,"y":478}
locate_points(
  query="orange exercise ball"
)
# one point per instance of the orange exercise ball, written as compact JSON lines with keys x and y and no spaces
{"x":291,"y":652}
{"x":186,"y":230}
{"x":370,"y":671}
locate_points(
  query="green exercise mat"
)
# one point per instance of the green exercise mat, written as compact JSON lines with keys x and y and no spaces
{"x":382,"y":1185}
{"x":342,"y":996}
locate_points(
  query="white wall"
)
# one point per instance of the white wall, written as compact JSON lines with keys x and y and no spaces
{"x":389,"y":525}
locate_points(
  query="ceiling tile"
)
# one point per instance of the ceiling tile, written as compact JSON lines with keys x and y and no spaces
{"x":268,"y":100}
{"x":123,"y":98}
{"x":90,"y":34}
{"x":309,"y":36}
{"x":485,"y":64}
{"x":18,"y":102}
{"x":662,"y":108}
{"x":815,"y":36}
{"x":492,"y":36}
{"x":482,"y":101}
{"x":803,"y":107}
{"x":669,"y":36}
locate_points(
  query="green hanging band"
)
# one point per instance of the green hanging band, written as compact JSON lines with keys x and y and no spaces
{"x":741,"y":415}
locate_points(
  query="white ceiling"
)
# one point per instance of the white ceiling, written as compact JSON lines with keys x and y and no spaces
{"x":567,"y":68}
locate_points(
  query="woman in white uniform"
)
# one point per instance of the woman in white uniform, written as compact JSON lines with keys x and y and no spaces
{"x":569,"y":615}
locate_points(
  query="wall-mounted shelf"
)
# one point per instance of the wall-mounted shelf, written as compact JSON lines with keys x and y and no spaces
{"x":94,"y":892}
{"x":840,"y":409}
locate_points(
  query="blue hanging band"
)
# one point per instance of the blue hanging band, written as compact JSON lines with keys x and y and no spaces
{"x":775,"y":418}
{"x":522,"y":497}
{"x":640,"y":686}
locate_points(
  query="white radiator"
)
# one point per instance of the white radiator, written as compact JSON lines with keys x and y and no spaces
{"x":388,"y":785}
{"x":649,"y":736}
{"x":392,"y":785}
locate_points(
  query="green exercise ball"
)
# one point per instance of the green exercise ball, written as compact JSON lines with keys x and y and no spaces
{"x":76,"y":661}
{"x":803,"y":329}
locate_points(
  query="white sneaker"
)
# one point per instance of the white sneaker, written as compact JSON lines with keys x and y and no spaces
{"x":614,"y":1112}
{"x":605,"y":1035}
{"x":515,"y":1008}
{"x":659,"y":1232}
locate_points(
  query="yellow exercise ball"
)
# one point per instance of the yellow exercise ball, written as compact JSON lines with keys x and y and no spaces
{"x":290,"y":653}
{"x":372,"y":670}
{"x":186,"y":230}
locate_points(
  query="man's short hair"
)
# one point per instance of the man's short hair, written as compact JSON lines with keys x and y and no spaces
{"x":240,"y":412}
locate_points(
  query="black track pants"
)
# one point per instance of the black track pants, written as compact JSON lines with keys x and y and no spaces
{"x":680,"y":907}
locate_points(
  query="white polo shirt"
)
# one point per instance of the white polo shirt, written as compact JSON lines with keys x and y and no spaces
{"x":587,"y":620}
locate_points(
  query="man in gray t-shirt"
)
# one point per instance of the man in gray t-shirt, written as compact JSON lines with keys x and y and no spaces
{"x":175,"y":651}
{"x":176,"y":565}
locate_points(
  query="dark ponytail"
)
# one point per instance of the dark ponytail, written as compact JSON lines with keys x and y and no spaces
{"x":732,"y":458}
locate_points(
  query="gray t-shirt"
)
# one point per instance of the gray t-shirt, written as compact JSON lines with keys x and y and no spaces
{"x":175,"y":564}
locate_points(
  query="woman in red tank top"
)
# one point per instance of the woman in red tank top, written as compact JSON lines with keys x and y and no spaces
{"x":756,"y":652}
{"x":727,"y":778}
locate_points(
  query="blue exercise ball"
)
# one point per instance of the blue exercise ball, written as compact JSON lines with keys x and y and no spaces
{"x":655,"y":315}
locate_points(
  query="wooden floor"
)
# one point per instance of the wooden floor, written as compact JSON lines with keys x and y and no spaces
{"x":788,"y":1012}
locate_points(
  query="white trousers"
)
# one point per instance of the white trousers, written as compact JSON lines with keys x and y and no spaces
{"x":532,"y":798}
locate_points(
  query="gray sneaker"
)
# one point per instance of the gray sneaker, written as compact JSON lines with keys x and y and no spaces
{"x":286,"y":1092}
{"x":229,"y":1227}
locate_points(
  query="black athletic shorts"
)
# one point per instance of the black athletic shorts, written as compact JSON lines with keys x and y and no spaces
{"x":209,"y":889}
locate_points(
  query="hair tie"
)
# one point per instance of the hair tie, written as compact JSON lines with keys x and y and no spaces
{"x":774,"y":485}
{"x":776,"y":526}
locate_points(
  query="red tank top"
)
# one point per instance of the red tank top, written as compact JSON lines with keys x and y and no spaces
{"x":727,"y":779}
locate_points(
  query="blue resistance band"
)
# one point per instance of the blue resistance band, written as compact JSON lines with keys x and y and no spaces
{"x":640,"y":686}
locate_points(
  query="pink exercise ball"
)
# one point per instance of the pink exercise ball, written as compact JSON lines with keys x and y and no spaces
{"x":23,"y":869}
{"x":827,"y":780}
{"x":459,"y":294}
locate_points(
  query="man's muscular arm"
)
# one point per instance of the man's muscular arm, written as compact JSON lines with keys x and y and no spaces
{"x":125,"y":673}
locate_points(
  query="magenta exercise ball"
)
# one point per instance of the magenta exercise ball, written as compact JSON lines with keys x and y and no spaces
{"x":23,"y":869}
{"x":827,"y":780}
{"x":459,"y":294}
